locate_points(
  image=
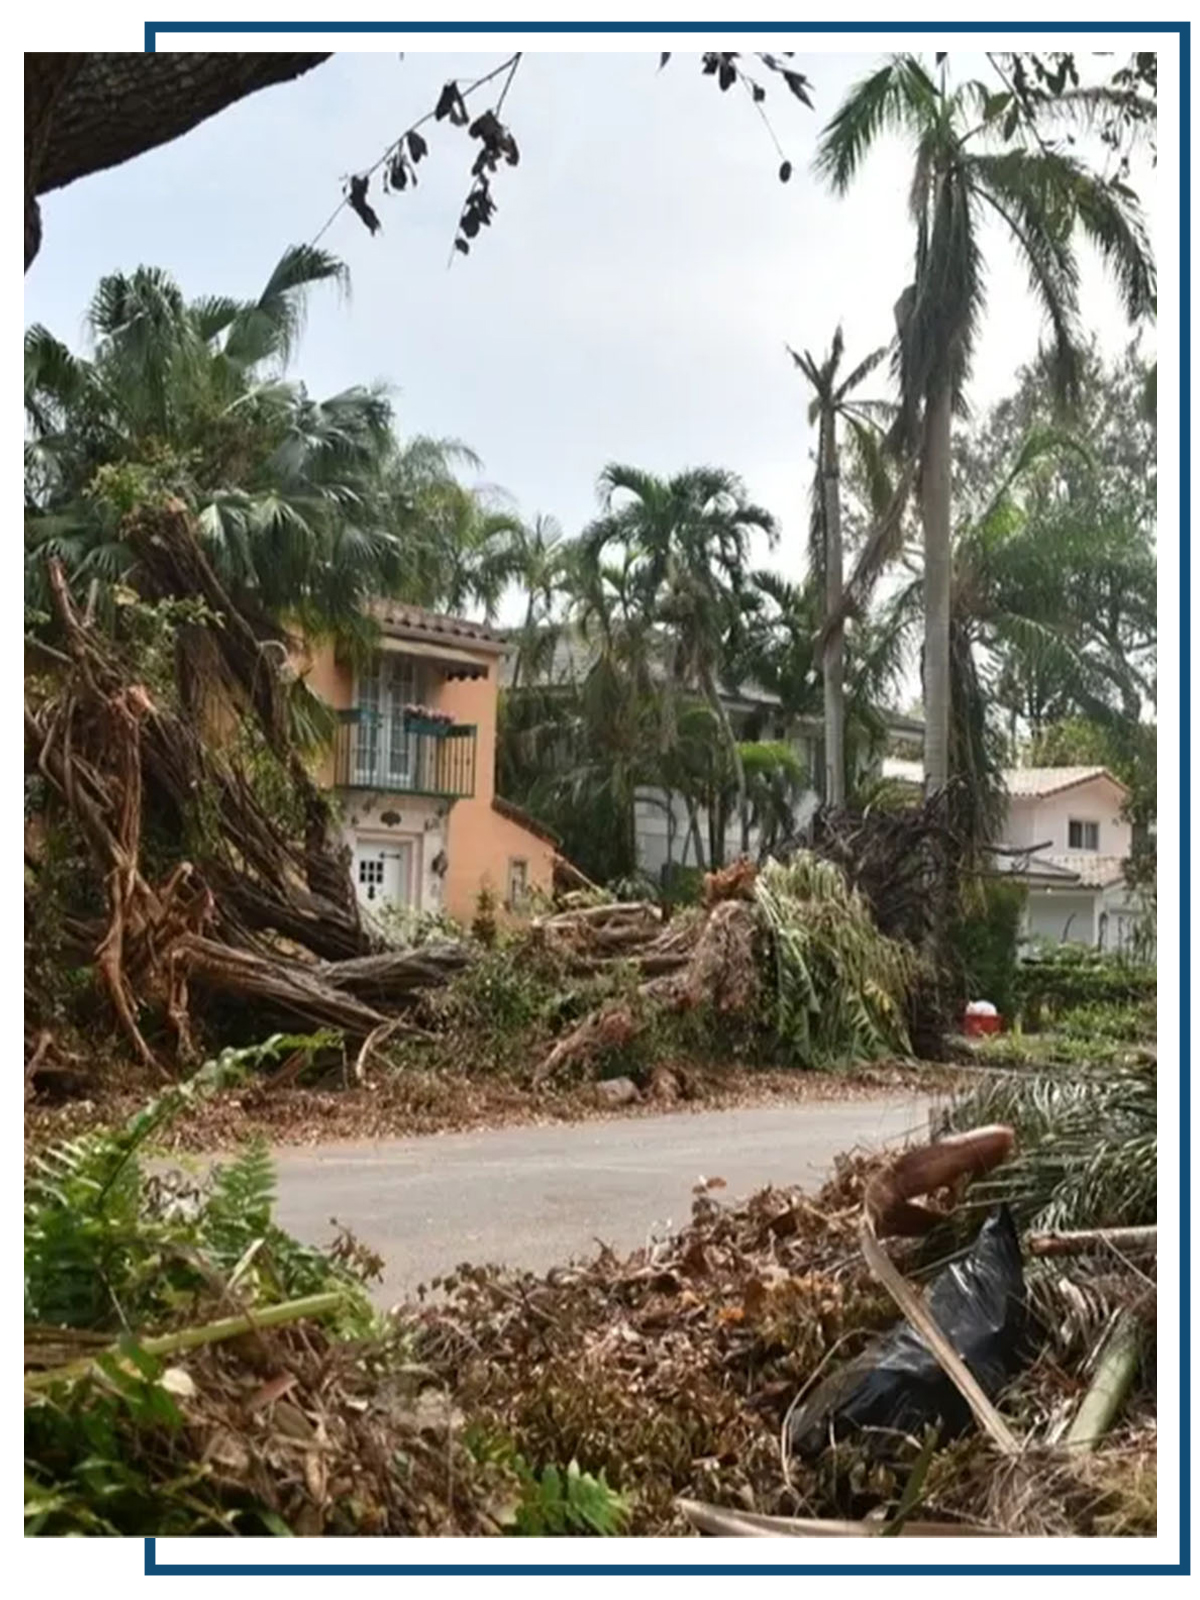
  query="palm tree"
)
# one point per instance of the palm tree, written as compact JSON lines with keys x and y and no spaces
{"x":1018,"y":615}
{"x":307,"y":508}
{"x":539,"y":560}
{"x":965,"y":168}
{"x":832,"y":401}
{"x":686,"y":542}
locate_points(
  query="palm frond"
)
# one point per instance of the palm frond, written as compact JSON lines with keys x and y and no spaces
{"x":899,"y":94}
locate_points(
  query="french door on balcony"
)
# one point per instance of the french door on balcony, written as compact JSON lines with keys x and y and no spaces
{"x":385,"y":751}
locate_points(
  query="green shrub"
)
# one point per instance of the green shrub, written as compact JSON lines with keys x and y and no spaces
{"x":682,"y":886}
{"x":1061,"y":978}
{"x":986,"y":942}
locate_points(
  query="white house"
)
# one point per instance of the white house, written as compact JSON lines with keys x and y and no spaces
{"x":664,"y":830}
{"x":1068,"y":825}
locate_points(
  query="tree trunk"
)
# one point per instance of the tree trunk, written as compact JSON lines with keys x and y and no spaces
{"x":729,"y":740}
{"x":87,"y":112}
{"x":834,"y":658}
{"x":935,"y":518}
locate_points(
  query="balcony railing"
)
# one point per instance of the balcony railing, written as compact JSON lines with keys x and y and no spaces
{"x":374,"y":751}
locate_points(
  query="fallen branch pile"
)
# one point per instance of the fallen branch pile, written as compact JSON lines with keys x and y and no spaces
{"x":676,"y":1370}
{"x":217,"y":887}
{"x":260,"y":910}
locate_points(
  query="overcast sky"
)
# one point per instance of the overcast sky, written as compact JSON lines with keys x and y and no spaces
{"x":631,"y":301}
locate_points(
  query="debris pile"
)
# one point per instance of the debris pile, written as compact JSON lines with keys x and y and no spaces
{"x":702,"y":1372}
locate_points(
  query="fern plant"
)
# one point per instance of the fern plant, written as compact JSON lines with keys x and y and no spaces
{"x":552,"y":1503}
{"x":558,"y":1504}
{"x":108,"y":1247}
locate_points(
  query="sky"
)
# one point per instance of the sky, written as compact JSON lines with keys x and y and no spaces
{"x":632,"y":300}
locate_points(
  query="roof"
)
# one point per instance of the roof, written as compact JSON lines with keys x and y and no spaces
{"x":522,"y":819}
{"x":1092,"y":871}
{"x":1038,"y":782}
{"x":412,"y":622}
{"x":1034,"y":869}
{"x":1070,"y":869}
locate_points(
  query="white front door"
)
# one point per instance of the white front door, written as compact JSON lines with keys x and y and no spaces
{"x":383,"y":874}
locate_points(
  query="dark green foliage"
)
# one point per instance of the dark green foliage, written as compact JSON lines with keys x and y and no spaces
{"x":571,"y":1502}
{"x":109,"y":1246}
{"x":1067,"y":976}
{"x":986,"y":942}
{"x":1087,"y":1145}
{"x":553,"y":1503}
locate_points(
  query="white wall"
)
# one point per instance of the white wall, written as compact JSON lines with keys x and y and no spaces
{"x":419,"y":820}
{"x":1049,"y":911}
{"x":1034,"y":821}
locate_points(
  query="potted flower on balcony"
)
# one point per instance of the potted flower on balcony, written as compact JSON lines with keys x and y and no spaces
{"x":428,"y":719}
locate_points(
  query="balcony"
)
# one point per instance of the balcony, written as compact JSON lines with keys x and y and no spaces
{"x":385,"y":752}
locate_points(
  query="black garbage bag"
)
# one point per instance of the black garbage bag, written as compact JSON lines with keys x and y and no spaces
{"x":898,"y":1385}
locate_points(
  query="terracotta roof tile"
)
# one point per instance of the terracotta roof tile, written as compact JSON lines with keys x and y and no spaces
{"x":1093,"y":871}
{"x":395,"y":617}
{"x":1039,"y":781}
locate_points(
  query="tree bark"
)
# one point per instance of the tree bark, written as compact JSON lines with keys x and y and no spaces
{"x":834,"y":656}
{"x":86,"y":112}
{"x":935,"y":518}
{"x":729,"y":740}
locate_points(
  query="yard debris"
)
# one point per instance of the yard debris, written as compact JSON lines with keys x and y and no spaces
{"x":674,"y":1370}
{"x":902,"y":1386}
{"x":617,"y":1091}
{"x":1116,"y":1369}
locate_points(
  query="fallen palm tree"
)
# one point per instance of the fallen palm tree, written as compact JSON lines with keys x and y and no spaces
{"x":790,"y":948}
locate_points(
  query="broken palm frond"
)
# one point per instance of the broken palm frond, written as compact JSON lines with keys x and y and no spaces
{"x":1116,"y":1368}
{"x":841,"y":986}
{"x":312,"y":1306}
{"x":721,"y":1523}
{"x":1088,"y":1145}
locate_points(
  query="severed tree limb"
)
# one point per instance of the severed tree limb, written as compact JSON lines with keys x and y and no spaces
{"x":1121,"y":1240}
{"x":1116,"y":1368}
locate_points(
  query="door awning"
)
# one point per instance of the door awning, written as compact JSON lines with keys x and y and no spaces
{"x":458,"y":663}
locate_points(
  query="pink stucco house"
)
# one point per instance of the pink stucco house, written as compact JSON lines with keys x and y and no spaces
{"x":413,"y":768}
{"x":1075,"y":841}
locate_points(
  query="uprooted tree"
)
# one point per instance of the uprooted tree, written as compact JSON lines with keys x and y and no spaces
{"x":182,"y":860}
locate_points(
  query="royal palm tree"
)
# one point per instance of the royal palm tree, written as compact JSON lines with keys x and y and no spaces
{"x":832,"y":402}
{"x":967,"y":168}
{"x":686,"y":544}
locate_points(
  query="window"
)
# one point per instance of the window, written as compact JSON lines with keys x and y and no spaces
{"x":518,"y":883}
{"x":1083,"y":835}
{"x":385,"y":750}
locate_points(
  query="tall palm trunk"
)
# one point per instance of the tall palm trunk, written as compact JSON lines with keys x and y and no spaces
{"x":833,"y":664}
{"x":935,"y":518}
{"x":729,"y":740}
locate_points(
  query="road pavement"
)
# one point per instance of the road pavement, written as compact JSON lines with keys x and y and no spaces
{"x":538,"y":1196}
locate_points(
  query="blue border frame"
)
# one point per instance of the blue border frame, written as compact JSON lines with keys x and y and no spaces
{"x":1183,"y":1568}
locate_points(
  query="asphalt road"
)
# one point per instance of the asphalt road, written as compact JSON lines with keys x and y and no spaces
{"x":538,"y":1196}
